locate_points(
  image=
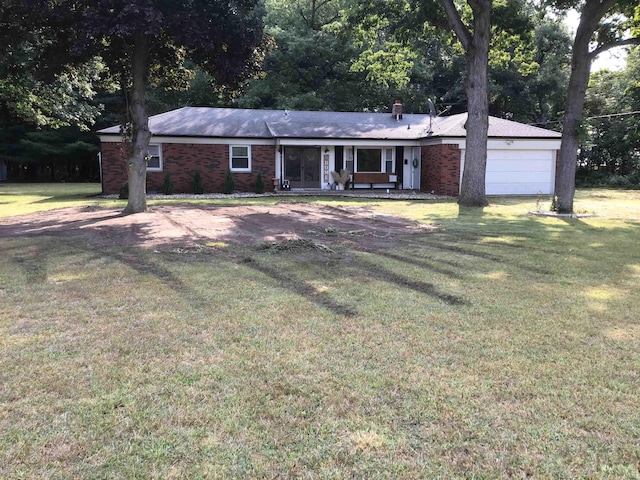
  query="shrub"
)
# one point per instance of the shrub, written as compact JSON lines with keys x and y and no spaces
{"x":229,"y":184}
{"x":618,"y":181}
{"x":198,"y":186}
{"x":167,"y":185}
{"x":260,"y":183}
{"x":124,"y":191}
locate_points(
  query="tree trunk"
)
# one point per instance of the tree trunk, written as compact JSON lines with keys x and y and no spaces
{"x":472,"y":190}
{"x":581,"y":57}
{"x":140,"y":134}
{"x":572,"y":122}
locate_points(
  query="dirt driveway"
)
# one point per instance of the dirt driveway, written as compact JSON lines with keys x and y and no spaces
{"x":188,"y":225}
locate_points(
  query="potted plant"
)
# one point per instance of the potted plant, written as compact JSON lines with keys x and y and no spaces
{"x":341,"y":178}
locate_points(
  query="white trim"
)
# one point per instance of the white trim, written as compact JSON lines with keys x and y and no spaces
{"x":342,"y":142}
{"x":240,"y":170}
{"x":383,"y":157}
{"x":499,"y":144}
{"x":195,"y":140}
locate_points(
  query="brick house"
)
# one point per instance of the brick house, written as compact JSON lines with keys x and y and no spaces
{"x":301,"y":149}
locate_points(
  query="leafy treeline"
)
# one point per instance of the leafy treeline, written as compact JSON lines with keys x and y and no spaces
{"x":343,"y":55}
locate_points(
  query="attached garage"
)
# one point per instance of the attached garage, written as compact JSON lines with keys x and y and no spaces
{"x":519,"y":166}
{"x":520,"y":172}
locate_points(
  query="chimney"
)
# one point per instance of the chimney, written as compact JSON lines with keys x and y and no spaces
{"x":396,"y":110}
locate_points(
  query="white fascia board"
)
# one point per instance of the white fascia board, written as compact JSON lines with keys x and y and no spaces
{"x":523,"y":144}
{"x":305,"y":142}
{"x":500,"y":144}
{"x":195,"y":140}
{"x":461,"y":142}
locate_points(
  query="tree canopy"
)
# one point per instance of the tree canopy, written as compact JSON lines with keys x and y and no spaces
{"x":317,"y":55}
{"x":143,"y":42}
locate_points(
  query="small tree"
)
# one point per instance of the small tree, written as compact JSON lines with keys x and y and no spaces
{"x":229,"y":183}
{"x":259,"y":183}
{"x":198,"y":186}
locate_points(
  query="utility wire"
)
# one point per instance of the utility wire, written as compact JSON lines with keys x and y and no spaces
{"x":614,"y":115}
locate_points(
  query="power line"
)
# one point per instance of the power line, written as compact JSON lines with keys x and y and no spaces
{"x":614,"y":115}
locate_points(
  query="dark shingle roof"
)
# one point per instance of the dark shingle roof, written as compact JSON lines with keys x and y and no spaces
{"x":246,"y":123}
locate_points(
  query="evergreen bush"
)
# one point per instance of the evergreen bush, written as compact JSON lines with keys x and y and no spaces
{"x":260,"y":183}
{"x":167,"y":185}
{"x":198,"y":186}
{"x":229,"y":184}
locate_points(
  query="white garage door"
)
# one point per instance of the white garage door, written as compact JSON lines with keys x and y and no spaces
{"x":520,"y":172}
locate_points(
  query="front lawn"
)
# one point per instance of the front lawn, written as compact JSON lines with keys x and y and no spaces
{"x":498,"y":345}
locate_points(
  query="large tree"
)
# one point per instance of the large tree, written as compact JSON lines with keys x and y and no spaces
{"x":604,"y":24}
{"x":141,"y":42}
{"x":475,"y":39}
{"x":145,"y":40}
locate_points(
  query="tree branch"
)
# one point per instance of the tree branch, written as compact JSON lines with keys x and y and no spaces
{"x":610,"y":45}
{"x":456,"y":23}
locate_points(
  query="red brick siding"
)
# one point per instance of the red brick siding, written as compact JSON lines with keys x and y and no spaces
{"x":181,"y":160}
{"x":114,"y":167}
{"x":441,"y":169}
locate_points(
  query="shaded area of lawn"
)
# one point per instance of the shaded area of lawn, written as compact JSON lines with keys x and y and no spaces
{"x":499,"y":345}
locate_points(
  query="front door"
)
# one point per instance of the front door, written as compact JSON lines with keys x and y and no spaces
{"x":302,"y":166}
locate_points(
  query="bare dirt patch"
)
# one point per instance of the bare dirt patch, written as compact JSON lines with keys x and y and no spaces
{"x":187,"y":225}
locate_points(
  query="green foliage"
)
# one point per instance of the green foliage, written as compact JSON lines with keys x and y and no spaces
{"x":66,"y":99}
{"x":609,"y":150}
{"x":167,"y":185}
{"x":229,"y":183}
{"x":198,"y":185}
{"x":260,"y":186}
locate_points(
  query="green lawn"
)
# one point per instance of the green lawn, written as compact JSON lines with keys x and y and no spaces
{"x":499,"y":345}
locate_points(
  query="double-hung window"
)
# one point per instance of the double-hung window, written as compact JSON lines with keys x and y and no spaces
{"x":154,"y":158}
{"x":240,"y":158}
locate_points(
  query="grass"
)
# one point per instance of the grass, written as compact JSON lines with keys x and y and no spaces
{"x":500,"y":345}
{"x":23,"y":198}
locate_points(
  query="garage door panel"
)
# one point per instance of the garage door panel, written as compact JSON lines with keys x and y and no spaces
{"x":518,"y":188}
{"x":517,"y":165}
{"x":520,"y":172}
{"x":521,"y":154}
{"x":517,"y":177}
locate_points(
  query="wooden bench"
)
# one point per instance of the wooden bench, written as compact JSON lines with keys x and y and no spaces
{"x":374,"y":177}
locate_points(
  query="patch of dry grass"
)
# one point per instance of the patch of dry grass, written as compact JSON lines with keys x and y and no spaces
{"x":499,"y":345}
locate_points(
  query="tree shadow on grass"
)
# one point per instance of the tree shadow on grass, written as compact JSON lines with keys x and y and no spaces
{"x":468,"y":240}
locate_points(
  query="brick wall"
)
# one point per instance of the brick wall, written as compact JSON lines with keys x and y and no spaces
{"x":114,"y":167}
{"x":441,"y":169}
{"x":181,"y":160}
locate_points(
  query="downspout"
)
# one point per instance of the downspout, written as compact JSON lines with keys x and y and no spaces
{"x":279,"y":152}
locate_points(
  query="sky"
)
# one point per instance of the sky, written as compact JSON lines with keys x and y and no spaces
{"x":614,"y":59}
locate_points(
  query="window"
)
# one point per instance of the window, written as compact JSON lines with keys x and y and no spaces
{"x":240,"y":158}
{"x":388,"y":160}
{"x":369,"y":160}
{"x":348,"y":162}
{"x":154,"y":158}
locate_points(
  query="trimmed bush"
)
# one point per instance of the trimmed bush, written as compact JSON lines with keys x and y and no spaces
{"x":198,"y":186}
{"x":229,"y":183}
{"x":260,"y":183}
{"x":167,"y":185}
